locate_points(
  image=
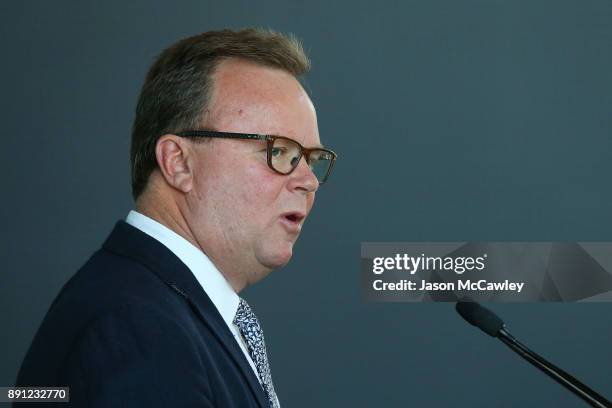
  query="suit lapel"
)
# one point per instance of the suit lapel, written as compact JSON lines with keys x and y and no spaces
{"x":129,"y":241}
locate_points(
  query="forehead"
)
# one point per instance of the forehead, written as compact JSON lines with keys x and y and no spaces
{"x":251,"y":98}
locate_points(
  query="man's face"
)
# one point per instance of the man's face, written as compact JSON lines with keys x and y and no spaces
{"x":245,"y":216}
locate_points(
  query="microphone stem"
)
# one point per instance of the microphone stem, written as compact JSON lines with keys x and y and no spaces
{"x":587,"y":394}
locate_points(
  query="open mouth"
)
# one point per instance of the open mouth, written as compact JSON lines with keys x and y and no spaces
{"x":295,"y":217}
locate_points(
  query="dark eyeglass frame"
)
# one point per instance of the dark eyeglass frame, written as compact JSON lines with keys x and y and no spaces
{"x":305,"y":152}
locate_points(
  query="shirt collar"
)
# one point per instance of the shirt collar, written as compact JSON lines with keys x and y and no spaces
{"x":206,"y":273}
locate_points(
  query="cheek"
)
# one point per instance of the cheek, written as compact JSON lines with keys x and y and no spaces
{"x":262,"y":188}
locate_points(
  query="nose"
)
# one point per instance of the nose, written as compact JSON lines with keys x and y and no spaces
{"x":302,"y":178}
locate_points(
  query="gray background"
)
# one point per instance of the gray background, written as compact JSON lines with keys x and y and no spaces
{"x":454,"y":120}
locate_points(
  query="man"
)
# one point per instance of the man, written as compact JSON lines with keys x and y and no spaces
{"x":153,"y":318}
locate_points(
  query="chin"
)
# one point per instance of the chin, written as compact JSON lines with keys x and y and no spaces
{"x":279,"y":258}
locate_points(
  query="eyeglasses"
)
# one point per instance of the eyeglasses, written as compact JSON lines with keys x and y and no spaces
{"x":284,"y":154}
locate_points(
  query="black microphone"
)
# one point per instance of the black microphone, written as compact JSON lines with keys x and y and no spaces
{"x":490,"y":323}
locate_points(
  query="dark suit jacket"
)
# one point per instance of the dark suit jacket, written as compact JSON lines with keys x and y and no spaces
{"x":133,"y":328}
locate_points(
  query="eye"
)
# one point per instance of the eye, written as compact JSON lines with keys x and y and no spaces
{"x":277,"y":151}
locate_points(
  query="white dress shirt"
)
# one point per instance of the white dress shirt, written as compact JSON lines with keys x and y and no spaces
{"x":212,"y":281}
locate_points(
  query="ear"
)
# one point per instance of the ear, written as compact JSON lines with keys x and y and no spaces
{"x":175,"y":161}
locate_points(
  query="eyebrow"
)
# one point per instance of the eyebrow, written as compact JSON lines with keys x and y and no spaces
{"x":238,"y":135}
{"x":316,"y":146}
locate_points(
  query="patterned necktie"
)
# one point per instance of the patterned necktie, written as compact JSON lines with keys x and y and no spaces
{"x":249,"y":327}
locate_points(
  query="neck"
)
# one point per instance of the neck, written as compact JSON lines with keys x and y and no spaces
{"x":169,"y":214}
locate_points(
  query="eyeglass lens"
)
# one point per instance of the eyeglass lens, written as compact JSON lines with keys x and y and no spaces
{"x":287,"y":153}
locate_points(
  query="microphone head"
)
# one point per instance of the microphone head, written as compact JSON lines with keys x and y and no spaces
{"x":476,"y":315}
